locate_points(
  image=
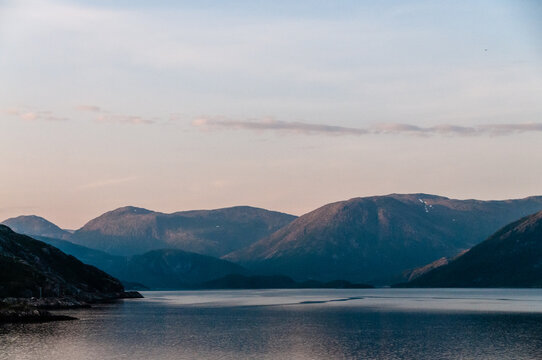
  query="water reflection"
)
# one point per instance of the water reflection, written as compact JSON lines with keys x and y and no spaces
{"x":379,"y":324}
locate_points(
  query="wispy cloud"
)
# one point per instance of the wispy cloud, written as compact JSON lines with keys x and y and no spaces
{"x":271,"y":124}
{"x":214,"y":124}
{"x":504,"y":129}
{"x":124,"y":119}
{"x":34,"y":115}
{"x":104,"y":116}
{"x":107,"y":182}
{"x":89,"y":108}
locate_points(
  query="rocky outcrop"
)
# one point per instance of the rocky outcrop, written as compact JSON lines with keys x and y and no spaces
{"x":19,"y":311}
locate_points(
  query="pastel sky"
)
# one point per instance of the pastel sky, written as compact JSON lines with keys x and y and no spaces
{"x":174,"y":105}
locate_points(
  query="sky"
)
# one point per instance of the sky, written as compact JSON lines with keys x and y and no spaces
{"x":178,"y":105}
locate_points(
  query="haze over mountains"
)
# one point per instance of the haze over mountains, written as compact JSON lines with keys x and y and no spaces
{"x":374,"y":239}
{"x":362,"y":240}
{"x":512,"y":257}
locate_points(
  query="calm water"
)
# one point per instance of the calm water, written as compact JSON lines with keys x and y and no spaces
{"x":293,"y":324}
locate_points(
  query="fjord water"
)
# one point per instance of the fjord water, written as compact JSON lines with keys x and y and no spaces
{"x":294,"y":324}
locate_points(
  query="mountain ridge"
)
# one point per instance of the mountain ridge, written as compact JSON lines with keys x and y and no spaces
{"x":371,"y":239}
{"x":131,"y":230}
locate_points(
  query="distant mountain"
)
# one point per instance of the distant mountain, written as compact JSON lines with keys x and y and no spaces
{"x":512,"y":257}
{"x":33,"y":225}
{"x":375,"y":238}
{"x":29,"y":266}
{"x":174,"y":269}
{"x":156,"y":269}
{"x":131,"y":230}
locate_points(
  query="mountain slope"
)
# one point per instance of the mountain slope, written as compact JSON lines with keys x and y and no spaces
{"x":373,"y":239}
{"x":33,"y":225}
{"x":28,"y":266}
{"x":174,"y":269}
{"x":512,"y":257}
{"x":412,"y":274}
{"x":130,"y":230}
{"x":156,"y":269}
{"x":100,"y":259}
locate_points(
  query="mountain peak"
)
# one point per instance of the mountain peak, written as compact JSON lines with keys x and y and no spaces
{"x":130,"y":210}
{"x":34,"y":225}
{"x":130,"y":230}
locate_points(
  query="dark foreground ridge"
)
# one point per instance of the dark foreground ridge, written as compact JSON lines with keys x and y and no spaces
{"x":512,"y":257}
{"x":35,"y":276}
{"x":236,"y":281}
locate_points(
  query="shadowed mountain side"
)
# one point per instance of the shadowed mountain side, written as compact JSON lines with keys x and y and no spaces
{"x":29,"y":267}
{"x":375,"y":238}
{"x":33,"y":225}
{"x":175,"y":269}
{"x":100,"y":259}
{"x":412,"y":274}
{"x":512,"y":257}
{"x":157,"y":269}
{"x":130,"y":230}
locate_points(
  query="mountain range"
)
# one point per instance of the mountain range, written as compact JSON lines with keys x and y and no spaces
{"x":130,"y":230}
{"x":363,"y":240}
{"x":374,"y":239}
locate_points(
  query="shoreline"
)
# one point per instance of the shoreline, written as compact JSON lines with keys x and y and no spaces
{"x":34,"y":310}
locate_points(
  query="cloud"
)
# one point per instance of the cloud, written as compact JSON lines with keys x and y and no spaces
{"x":271,"y":124}
{"x":444,"y":129}
{"x":108,"y":182}
{"x":124,"y":119}
{"x":89,"y":108}
{"x":210,"y":124}
{"x":504,"y":129}
{"x":104,"y":116}
{"x":33,"y":115}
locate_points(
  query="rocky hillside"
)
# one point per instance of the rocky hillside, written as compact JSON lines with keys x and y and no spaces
{"x":29,"y":267}
{"x":374,"y":239}
{"x":131,"y":230}
{"x":512,"y":257}
{"x":33,"y":225}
